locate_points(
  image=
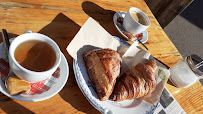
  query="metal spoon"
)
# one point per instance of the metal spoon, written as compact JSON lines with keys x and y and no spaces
{"x":130,"y":34}
{"x":199,"y":64}
{"x":5,"y":41}
{"x":6,"y":45}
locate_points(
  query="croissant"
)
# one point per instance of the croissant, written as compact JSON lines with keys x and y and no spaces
{"x":136,"y":82}
{"x":103,"y":67}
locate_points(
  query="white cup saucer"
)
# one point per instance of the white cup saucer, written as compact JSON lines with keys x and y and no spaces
{"x":142,"y":36}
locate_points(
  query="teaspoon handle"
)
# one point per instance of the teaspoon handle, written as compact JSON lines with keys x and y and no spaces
{"x":142,"y":44}
{"x":5,"y":41}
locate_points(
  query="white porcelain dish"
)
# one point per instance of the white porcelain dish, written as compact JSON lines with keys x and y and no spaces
{"x":125,"y":107}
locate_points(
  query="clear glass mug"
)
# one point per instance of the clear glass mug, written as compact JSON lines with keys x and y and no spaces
{"x":187,"y":72}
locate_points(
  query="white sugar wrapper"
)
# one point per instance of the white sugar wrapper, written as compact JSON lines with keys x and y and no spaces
{"x":93,"y":36}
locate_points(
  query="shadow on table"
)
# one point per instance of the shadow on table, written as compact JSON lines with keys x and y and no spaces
{"x":61,"y":27}
{"x":9,"y":106}
{"x":62,"y":30}
{"x":103,"y":16}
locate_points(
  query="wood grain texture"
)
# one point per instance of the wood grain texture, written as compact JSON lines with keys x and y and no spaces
{"x":61,"y":20}
{"x":190,"y":99}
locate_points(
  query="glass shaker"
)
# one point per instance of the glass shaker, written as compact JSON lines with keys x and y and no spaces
{"x":187,"y":72}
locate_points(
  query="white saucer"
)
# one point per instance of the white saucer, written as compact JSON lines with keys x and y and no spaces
{"x":55,"y":84}
{"x":122,"y":14}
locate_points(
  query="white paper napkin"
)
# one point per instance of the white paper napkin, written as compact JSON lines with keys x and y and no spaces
{"x":92,"y":36}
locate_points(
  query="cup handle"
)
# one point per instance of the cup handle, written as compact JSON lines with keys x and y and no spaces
{"x":28,"y":31}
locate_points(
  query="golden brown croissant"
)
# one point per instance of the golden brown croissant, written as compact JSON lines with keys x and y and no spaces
{"x":103,"y":67}
{"x":136,"y":82}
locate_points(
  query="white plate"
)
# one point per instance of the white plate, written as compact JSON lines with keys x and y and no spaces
{"x":122,"y":14}
{"x":128,"y":106}
{"x":55,"y":84}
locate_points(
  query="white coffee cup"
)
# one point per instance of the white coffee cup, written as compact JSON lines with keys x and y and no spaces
{"x":28,"y":75}
{"x":132,"y":25}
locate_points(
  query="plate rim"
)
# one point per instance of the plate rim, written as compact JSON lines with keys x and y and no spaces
{"x":93,"y":104}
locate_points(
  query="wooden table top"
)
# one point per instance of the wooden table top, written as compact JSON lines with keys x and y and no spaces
{"x":61,"y":20}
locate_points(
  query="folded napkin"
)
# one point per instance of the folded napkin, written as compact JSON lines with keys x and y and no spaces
{"x":92,"y":36}
{"x":36,"y":88}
